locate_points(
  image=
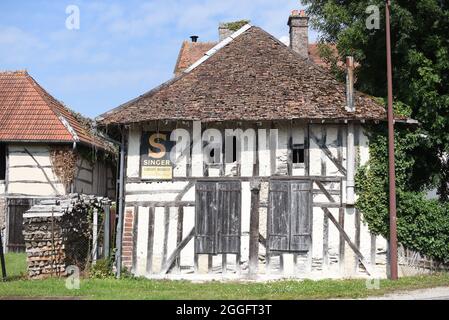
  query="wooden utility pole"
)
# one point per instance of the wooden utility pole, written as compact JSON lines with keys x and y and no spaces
{"x":393,"y":247}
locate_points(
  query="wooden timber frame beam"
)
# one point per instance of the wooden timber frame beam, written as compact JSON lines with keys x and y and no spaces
{"x":328,"y":153}
{"x":171,"y":260}
{"x":342,"y":230}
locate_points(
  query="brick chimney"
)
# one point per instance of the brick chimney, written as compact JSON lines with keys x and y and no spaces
{"x":224,"y":31}
{"x":299,"y":32}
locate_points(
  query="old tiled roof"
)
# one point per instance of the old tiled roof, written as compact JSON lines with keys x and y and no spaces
{"x":29,"y":113}
{"x":314,"y":54}
{"x":254,"y":77}
{"x":193,"y":51}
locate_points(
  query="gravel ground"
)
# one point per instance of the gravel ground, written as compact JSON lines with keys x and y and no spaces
{"x":440,"y":293}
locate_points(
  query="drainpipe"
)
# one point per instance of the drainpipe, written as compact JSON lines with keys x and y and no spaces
{"x":119,"y":233}
{"x":350,"y":198}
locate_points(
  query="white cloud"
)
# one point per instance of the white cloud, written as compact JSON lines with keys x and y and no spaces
{"x":17,"y":46}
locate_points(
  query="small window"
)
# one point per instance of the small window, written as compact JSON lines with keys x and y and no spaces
{"x":2,"y":162}
{"x":298,"y":153}
{"x":230,"y":158}
{"x":234,"y":149}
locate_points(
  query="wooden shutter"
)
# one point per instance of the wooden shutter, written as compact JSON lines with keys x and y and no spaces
{"x":279,"y":216}
{"x":205,"y":218}
{"x":229,"y":216}
{"x":289,"y":216}
{"x":300,"y":216}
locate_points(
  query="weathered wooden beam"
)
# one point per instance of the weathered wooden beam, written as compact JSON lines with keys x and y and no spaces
{"x":166,"y":230}
{"x":139,"y":192}
{"x":325,"y":241}
{"x":323,"y":190}
{"x":326,"y":204}
{"x":348,"y":240}
{"x":150,"y":241}
{"x":185,"y":190}
{"x":179,"y":231}
{"x":224,"y":263}
{"x":262,"y":240}
{"x":254,"y":228}
{"x":43,"y":171}
{"x":331,"y":192}
{"x":161,"y":203}
{"x":306,"y":149}
{"x":210,"y":262}
{"x":34,"y":181}
{"x":357,"y":233}
{"x":169,"y":262}
{"x":341,"y":248}
{"x":29,"y":166}
{"x":329,"y":154}
{"x":322,"y":145}
{"x":261,"y":178}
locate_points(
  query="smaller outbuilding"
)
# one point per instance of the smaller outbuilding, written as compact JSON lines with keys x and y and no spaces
{"x":46,"y":151}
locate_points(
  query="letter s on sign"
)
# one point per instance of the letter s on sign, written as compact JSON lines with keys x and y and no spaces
{"x":160,"y":146}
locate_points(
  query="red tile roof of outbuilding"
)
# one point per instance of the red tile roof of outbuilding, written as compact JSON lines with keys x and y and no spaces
{"x":29,"y":113}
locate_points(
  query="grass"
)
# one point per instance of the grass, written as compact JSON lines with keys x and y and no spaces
{"x":16,"y":265}
{"x":137,"y":288}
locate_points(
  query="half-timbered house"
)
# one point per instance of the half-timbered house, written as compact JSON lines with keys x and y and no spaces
{"x":243,"y":165}
{"x":46,"y":151}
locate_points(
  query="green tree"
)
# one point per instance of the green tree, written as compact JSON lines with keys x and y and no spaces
{"x":420,"y":53}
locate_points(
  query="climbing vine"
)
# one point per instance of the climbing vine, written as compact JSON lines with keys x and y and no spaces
{"x":64,"y":161}
{"x":423,"y":224}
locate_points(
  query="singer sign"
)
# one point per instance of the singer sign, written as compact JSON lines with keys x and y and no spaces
{"x":155,"y":163}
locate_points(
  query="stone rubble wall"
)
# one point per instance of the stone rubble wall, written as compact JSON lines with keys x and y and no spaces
{"x":55,"y":234}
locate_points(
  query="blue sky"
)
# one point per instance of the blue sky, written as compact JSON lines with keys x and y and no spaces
{"x":123,"y":48}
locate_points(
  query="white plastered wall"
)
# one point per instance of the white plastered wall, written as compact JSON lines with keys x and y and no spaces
{"x":271,"y":162}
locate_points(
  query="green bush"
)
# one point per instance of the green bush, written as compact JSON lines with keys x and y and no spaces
{"x":102,"y":269}
{"x":423,"y":224}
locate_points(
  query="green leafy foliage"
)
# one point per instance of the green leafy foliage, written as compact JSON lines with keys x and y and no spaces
{"x":420,"y":54}
{"x":102,"y":269}
{"x":423,"y":224}
{"x":236,"y":25}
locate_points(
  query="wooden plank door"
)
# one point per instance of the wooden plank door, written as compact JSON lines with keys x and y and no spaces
{"x":16,"y":209}
{"x":218,"y":217}
{"x":278,"y":216}
{"x":300,"y":216}
{"x":206,"y":218}
{"x":229,"y":216}
{"x":289,"y":219}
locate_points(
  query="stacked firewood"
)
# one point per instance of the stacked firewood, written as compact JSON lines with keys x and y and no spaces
{"x":58,"y":233}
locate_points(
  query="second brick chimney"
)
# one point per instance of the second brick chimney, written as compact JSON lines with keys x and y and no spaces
{"x":299,"y":32}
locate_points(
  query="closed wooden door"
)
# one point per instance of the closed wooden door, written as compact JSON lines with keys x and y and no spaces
{"x":16,"y":209}
{"x":289,"y":226}
{"x":218,"y":217}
